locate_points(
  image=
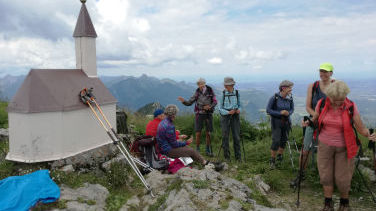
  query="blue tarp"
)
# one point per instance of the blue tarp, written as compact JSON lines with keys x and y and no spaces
{"x":23,"y":192}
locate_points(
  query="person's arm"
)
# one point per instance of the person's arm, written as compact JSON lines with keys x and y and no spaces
{"x":309,"y":100}
{"x":222,"y":111}
{"x":190,"y":101}
{"x":270,"y":110}
{"x":171,"y":138}
{"x":358,"y":123}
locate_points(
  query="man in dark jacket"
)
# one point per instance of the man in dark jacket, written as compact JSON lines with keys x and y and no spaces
{"x":205,"y":101}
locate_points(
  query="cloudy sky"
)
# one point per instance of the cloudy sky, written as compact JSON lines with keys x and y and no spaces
{"x":185,"y":39}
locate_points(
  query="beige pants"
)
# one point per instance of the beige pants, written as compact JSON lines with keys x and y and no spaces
{"x":333,"y":166}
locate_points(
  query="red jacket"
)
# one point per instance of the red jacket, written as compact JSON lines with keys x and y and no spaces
{"x":152,"y":126}
{"x":348,"y":131}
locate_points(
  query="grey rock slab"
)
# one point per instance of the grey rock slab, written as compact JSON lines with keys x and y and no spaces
{"x":261,"y":185}
{"x":234,"y":206}
{"x":67,"y":168}
{"x":94,"y":192}
{"x":262,"y":208}
{"x":179,"y":201}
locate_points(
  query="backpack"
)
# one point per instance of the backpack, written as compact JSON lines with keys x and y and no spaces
{"x":211,"y":93}
{"x":315,"y":90}
{"x":237,"y":97}
{"x":145,"y":147}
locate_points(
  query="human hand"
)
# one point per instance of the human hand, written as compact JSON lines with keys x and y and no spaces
{"x":207,"y":107}
{"x":189,"y":141}
{"x":181,"y":99}
{"x":231,"y":112}
{"x":372,"y":137}
{"x":237,"y":111}
{"x":182,"y":136}
{"x":284,"y":113}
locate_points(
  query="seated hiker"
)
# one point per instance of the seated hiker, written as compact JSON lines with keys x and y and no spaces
{"x":280,"y":108}
{"x":166,"y":138}
{"x":336,"y":116}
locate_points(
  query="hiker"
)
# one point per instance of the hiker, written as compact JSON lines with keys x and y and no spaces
{"x":167,"y":142}
{"x":280,"y":108}
{"x":338,"y":143}
{"x":230,"y":108}
{"x":205,"y":102}
{"x":152,"y":126}
{"x":315,"y":92}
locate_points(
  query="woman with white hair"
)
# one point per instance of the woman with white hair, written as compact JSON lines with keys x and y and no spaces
{"x":167,"y":142}
{"x":338,"y":144}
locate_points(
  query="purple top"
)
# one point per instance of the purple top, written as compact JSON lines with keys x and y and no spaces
{"x":166,"y":136}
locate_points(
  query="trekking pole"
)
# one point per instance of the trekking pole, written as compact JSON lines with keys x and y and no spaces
{"x":87,"y":97}
{"x":361,"y":175}
{"x":292,"y":162}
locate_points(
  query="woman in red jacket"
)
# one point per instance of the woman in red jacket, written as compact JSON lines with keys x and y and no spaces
{"x":337,"y":142}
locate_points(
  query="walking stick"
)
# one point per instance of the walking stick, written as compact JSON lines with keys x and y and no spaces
{"x":88,"y":98}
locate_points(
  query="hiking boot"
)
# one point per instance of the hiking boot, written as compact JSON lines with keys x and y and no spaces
{"x":218,"y":166}
{"x":328,"y":206}
{"x":344,"y":207}
{"x":209,"y":152}
{"x":279,"y":157}
{"x":272,"y":163}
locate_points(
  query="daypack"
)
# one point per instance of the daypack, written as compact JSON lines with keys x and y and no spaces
{"x":236,"y":94}
{"x":315,"y":90}
{"x":144,"y":147}
{"x":211,"y":94}
{"x":276,"y":96}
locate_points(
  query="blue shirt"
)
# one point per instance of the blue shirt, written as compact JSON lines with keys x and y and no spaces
{"x":166,"y":136}
{"x":230,"y":102}
{"x":275,"y":106}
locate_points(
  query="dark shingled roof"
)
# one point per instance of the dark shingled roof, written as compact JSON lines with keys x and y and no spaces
{"x":84,"y":26}
{"x":49,"y":90}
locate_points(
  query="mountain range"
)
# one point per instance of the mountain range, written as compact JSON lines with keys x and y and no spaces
{"x":136,"y":92}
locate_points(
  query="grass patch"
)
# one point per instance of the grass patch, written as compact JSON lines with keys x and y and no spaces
{"x":201,"y":184}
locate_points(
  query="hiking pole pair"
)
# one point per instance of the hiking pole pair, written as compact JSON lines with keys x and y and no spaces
{"x":88,"y":98}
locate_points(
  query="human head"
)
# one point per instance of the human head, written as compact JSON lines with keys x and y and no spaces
{"x":229,"y":83}
{"x":337,"y":92}
{"x":171,"y":110}
{"x":201,"y":83}
{"x":286,"y":84}
{"x":158,"y":113}
{"x":326,"y":71}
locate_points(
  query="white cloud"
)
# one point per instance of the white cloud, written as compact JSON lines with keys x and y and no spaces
{"x":215,"y":60}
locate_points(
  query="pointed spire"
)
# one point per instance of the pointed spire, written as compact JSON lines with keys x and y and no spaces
{"x":84,"y":26}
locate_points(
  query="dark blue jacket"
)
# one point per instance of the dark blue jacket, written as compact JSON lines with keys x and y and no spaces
{"x":277,"y":103}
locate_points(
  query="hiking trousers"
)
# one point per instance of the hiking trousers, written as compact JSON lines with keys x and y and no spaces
{"x":185,"y":151}
{"x":231,"y":122}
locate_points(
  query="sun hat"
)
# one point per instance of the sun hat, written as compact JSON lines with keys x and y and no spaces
{"x":228,"y":81}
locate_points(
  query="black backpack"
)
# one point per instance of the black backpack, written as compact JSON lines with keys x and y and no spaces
{"x":144,"y":147}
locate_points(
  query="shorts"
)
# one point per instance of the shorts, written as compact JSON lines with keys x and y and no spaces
{"x":308,"y":139}
{"x":334,"y":166}
{"x":201,"y":119}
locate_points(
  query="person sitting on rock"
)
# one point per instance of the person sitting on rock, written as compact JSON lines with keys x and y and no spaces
{"x":166,"y":139}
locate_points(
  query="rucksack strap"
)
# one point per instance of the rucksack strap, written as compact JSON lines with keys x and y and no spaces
{"x":224,"y":95}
